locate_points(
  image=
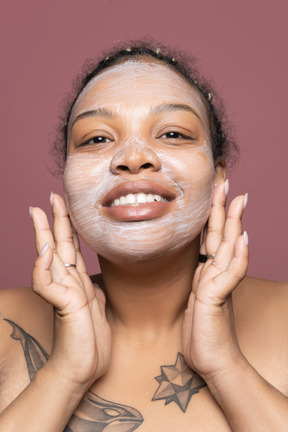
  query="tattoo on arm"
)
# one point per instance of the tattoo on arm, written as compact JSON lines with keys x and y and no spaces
{"x":34,"y":353}
{"x":178,"y":383}
{"x":94,"y":414}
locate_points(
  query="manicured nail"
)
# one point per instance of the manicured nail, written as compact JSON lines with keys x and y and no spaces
{"x":51,"y":198}
{"x":226,"y":187}
{"x":30,"y":211}
{"x":44,"y":249}
{"x":245,"y":201}
{"x":246,"y":239}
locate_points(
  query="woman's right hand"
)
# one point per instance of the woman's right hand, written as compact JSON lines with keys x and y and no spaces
{"x":82,"y":336}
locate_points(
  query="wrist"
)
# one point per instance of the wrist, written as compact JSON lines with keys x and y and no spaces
{"x":49,"y":376}
{"x":227,"y":369}
{"x":225,"y":380}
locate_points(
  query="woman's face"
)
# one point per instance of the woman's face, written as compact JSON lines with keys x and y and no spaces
{"x":139,"y":176}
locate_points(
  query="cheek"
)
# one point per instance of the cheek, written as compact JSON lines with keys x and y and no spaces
{"x":194,"y":173}
{"x":84,"y":180}
{"x":88,"y":178}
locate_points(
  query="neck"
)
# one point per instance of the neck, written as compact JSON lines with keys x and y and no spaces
{"x":150,"y":297}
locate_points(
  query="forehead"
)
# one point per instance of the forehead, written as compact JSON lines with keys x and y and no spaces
{"x":137,"y":82}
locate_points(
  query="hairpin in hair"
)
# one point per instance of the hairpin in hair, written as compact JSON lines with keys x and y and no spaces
{"x":210,"y":97}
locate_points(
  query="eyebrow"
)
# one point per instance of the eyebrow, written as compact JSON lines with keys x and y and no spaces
{"x":172,"y":107}
{"x":103,"y":112}
{"x":99,"y":112}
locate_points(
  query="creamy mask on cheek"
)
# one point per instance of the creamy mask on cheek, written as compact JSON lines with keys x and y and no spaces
{"x":187,"y":170}
{"x":87,"y":180}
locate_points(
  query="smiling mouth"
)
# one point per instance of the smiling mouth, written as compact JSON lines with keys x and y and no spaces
{"x":137,"y":199}
{"x":138,"y":193}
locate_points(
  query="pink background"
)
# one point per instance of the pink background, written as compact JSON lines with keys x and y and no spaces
{"x":242,"y":45}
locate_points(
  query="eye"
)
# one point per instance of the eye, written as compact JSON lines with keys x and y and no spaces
{"x":174,"y":135}
{"x":95,"y":140}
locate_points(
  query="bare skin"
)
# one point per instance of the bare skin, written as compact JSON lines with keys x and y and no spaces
{"x":154,"y":344}
{"x":261,"y":327}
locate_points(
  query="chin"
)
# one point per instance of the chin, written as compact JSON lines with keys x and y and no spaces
{"x":142,"y":241}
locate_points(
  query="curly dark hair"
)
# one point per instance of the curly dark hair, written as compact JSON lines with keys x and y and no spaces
{"x":223,"y":145}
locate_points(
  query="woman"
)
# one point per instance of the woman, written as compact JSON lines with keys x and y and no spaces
{"x":153,"y":343}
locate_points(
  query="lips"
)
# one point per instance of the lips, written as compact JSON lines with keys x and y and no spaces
{"x":138,"y":200}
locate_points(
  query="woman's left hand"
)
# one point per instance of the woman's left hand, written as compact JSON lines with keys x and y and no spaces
{"x":209,"y":339}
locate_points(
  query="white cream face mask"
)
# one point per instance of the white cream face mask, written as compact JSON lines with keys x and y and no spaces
{"x":139,"y":176}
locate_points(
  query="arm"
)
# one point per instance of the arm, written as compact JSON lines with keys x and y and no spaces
{"x":46,"y":404}
{"x":79,"y":320}
{"x":209,"y":337}
{"x":248,"y":400}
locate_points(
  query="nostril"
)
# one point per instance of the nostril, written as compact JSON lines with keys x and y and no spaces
{"x":146,"y":165}
{"x":122,"y":167}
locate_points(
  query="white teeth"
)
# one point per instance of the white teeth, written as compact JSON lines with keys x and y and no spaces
{"x":141,"y":198}
{"x":130,"y":198}
{"x":135,"y":199}
{"x":116,"y":202}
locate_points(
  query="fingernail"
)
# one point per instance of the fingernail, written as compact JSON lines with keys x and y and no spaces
{"x":44,"y":249}
{"x":51,"y":198}
{"x":30,"y":211}
{"x":246,"y":239}
{"x":226,"y":187}
{"x":245,"y":201}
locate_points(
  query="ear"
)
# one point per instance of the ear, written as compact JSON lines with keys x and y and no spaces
{"x":220,"y":171}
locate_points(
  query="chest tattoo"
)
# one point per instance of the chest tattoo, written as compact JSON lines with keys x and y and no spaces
{"x":178,"y":383}
{"x":95,"y":414}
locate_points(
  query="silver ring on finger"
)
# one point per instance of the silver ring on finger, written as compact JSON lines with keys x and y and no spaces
{"x":204,"y":258}
{"x":70,"y":265}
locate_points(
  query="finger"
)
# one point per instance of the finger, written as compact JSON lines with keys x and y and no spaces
{"x":101,"y":300}
{"x":63,"y":231}
{"x":42,"y":229}
{"x":81,"y":267}
{"x":232,"y":231}
{"x":216,"y":220}
{"x":42,"y":282}
{"x":196,"y":278}
{"x":228,"y":280}
{"x":43,"y":235}
{"x":41,"y":275}
{"x":203,"y":250}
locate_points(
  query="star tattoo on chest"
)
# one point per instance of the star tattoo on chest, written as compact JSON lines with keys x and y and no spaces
{"x":178,"y":383}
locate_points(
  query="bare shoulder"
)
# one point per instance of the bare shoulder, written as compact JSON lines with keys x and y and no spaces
{"x":261,"y":317}
{"x":23,"y":303}
{"x":263,"y":303}
{"x":20,"y":306}
{"x":262,"y":295}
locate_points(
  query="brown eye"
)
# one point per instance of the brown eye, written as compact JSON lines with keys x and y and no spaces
{"x":172,"y":135}
{"x":175,"y":135}
{"x":96,"y":140}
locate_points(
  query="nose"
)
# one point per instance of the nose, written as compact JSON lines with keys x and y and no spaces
{"x":135,"y":159}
